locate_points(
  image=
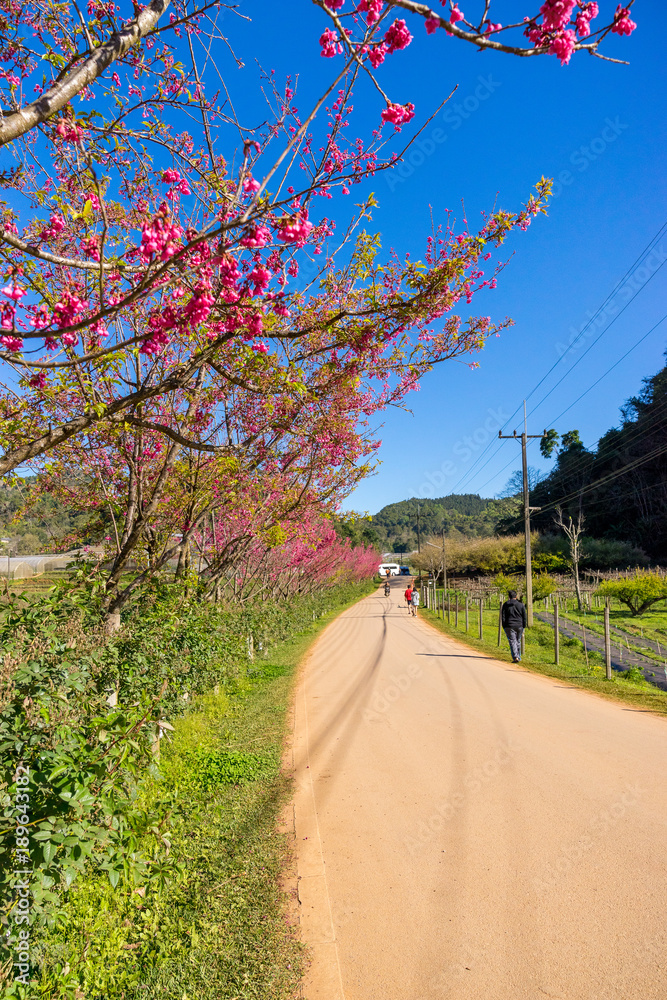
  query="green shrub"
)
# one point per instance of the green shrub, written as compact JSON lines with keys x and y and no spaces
{"x":543,"y":585}
{"x":638,"y":592}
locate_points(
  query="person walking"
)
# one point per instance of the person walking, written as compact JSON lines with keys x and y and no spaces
{"x":414,"y":602}
{"x":514,"y":620}
{"x":408,"y":596}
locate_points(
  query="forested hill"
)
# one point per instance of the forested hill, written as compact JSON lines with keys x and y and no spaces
{"x":396,"y":524}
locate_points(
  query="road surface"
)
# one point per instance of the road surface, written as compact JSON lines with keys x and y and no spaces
{"x":467,"y":830}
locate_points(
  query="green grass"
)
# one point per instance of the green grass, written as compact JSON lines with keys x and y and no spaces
{"x":219,"y":927}
{"x":539,"y":657}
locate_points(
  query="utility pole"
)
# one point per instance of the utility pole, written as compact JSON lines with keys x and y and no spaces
{"x":444,"y":569}
{"x":526,"y":507}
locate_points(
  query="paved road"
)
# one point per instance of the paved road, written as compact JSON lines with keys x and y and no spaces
{"x":467,"y":830}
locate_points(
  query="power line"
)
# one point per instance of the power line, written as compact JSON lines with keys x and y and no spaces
{"x":647,"y":249}
{"x":615,"y":365}
{"x":591,"y":346}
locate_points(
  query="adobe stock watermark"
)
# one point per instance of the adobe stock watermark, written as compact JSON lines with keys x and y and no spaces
{"x":628,"y":289}
{"x":465,"y":449}
{"x":582,"y":157}
{"x":451,"y":119}
{"x":382,"y":701}
{"x":471,"y":784}
{"x":17,"y":937}
{"x":598,"y":826}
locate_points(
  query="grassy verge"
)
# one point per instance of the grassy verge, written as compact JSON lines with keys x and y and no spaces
{"x":652,"y":626}
{"x":218,"y":925}
{"x":539,"y":657}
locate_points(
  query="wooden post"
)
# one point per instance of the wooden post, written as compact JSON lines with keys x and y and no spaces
{"x":607,"y":643}
{"x":556,"y":635}
{"x":523,"y":643}
{"x":456,"y":609}
{"x":449,"y":610}
{"x":481,"y":618}
{"x":585,"y":646}
{"x":467,"y":621}
{"x":500,"y":621}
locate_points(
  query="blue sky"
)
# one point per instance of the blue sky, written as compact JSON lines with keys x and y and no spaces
{"x":598,"y":126}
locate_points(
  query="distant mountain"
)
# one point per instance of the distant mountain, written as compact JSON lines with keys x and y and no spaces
{"x":466,"y":514}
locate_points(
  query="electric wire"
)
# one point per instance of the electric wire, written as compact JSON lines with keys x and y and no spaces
{"x":647,"y":249}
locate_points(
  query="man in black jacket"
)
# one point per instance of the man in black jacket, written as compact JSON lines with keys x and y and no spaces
{"x":514,"y":622}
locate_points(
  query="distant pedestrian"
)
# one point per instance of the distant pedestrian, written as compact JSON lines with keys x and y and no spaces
{"x":514,"y":619}
{"x":408,"y":596}
{"x":414,"y":602}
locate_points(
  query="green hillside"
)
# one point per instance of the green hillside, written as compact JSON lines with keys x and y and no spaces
{"x":466,"y":514}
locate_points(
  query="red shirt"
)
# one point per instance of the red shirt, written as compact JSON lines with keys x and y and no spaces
{"x":408,"y":595}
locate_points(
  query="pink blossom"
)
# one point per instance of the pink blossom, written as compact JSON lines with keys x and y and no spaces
{"x":556,"y":13}
{"x":12,"y":343}
{"x":584,"y":17}
{"x":250,"y":185}
{"x":171,"y":176}
{"x":330,"y":44}
{"x":456,"y":14}
{"x":261,"y":348}
{"x":622,"y":23}
{"x":397,"y":36}
{"x":91,"y":247}
{"x":116,"y":79}
{"x":491,"y":28}
{"x":432,"y":25}
{"x":259,"y":277}
{"x":55,"y":227}
{"x":294,"y":229}
{"x":372,"y":9}
{"x":69,"y":131}
{"x":376,"y":55}
{"x":37,"y":381}
{"x":199,"y":306}
{"x":14,"y":292}
{"x":398,"y":114}
{"x":563,"y":46}
{"x":336,"y":4}
{"x":67,"y":309}
{"x":256,"y":238}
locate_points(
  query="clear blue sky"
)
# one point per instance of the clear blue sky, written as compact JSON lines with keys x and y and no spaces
{"x":601,"y":123}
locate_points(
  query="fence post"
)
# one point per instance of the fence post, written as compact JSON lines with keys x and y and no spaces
{"x":500,"y":620}
{"x":456,"y":609}
{"x":481,"y":619}
{"x":449,"y":609}
{"x":607,"y":643}
{"x":467,"y":602}
{"x":523,"y":643}
{"x":556,"y":636}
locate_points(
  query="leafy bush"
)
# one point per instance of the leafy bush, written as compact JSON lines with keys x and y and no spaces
{"x":82,"y":711}
{"x":543,"y":585}
{"x":504,"y":583}
{"x":638,"y":592}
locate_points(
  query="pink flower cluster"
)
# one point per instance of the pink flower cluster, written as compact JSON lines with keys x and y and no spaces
{"x":160,"y":238}
{"x":295,"y":229}
{"x":556,"y":13}
{"x":563,"y":46}
{"x":70,"y":131}
{"x":398,"y":114}
{"x":329,"y":44}
{"x":397,"y":36}
{"x":256,"y":238}
{"x":372,"y":9}
{"x":54,"y":228}
{"x":623,"y":25}
{"x":584,"y":18}
{"x":66,"y":312}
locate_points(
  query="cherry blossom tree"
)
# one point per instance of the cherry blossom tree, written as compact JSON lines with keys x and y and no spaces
{"x":125,"y":235}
